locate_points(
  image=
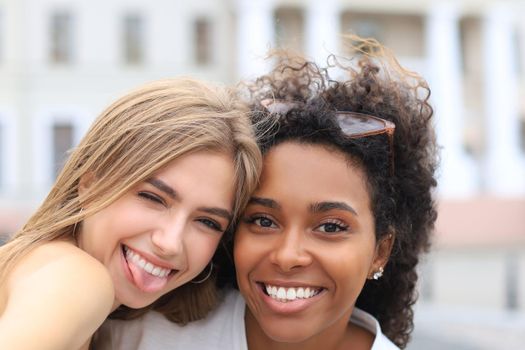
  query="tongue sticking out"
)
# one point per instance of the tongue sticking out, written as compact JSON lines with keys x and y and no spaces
{"x":145,"y":281}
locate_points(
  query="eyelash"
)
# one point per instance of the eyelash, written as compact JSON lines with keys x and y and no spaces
{"x":339,"y":225}
{"x":158,"y":200}
{"x":211,"y":224}
{"x":253,"y":219}
{"x":152,"y":197}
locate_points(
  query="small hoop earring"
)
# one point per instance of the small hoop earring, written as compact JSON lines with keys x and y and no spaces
{"x":75,"y":225}
{"x":207,"y":276}
{"x":378,"y":274}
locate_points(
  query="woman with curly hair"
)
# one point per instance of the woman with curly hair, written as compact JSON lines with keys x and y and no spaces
{"x":344,"y":208}
{"x":326,"y":251}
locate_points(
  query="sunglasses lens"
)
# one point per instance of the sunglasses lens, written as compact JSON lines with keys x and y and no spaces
{"x":354,"y":124}
{"x":278,"y":106}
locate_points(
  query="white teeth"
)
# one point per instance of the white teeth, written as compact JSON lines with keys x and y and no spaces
{"x":147,"y":266}
{"x":289,"y":294}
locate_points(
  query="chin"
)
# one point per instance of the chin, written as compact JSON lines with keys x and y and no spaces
{"x":134,"y":302}
{"x":287,"y":334}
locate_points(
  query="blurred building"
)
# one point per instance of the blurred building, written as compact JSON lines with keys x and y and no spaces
{"x":62,"y":61}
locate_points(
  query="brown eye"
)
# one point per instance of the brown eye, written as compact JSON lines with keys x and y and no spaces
{"x":261,"y":221}
{"x":332,"y":227}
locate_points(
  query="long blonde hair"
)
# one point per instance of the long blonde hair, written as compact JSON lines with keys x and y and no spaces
{"x":133,"y":138}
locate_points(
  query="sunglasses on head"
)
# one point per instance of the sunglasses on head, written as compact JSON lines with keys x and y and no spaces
{"x":352,"y":124}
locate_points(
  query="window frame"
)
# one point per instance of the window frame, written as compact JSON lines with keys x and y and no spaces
{"x":9,"y":151}
{"x":141,"y":37}
{"x":43,"y":130}
{"x":55,"y":45}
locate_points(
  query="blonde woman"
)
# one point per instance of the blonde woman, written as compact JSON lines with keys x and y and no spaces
{"x":136,"y":213}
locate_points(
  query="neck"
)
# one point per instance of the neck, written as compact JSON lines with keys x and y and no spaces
{"x":86,"y":345}
{"x":340,"y":335}
{"x":115,"y":306}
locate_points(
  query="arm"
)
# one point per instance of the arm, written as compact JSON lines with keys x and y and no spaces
{"x":57,"y":306}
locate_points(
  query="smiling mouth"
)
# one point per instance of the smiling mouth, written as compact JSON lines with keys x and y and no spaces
{"x":149,"y":267}
{"x":288,"y":294}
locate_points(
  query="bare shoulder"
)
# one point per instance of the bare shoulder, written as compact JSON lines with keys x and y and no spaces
{"x":56,"y":286}
{"x":64,"y":264}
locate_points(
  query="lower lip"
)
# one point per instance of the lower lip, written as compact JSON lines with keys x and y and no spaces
{"x":289,"y":307}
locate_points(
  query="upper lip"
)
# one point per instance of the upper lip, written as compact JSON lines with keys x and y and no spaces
{"x":281,"y":283}
{"x":153,"y":259}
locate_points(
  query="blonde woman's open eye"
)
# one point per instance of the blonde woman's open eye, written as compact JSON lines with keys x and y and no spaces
{"x":211,"y":224}
{"x":332,"y":227}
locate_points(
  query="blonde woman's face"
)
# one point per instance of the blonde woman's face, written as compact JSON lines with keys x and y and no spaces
{"x":164,"y":231}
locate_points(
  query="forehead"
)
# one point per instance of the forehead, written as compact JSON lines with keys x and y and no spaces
{"x":207,"y":174}
{"x":312,"y":173}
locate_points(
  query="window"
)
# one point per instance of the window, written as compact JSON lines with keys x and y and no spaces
{"x":2,"y":160}
{"x":518,"y":50}
{"x":203,"y":42}
{"x":522,"y":131}
{"x":471,"y":45}
{"x":289,"y":29}
{"x":61,"y":32}
{"x":55,"y":132}
{"x":3,"y":238}
{"x":8,"y":151}
{"x":133,"y":39}
{"x":62,"y":143}
{"x":2,"y":31}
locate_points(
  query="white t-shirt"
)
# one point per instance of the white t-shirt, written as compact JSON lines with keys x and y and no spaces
{"x":221,"y":329}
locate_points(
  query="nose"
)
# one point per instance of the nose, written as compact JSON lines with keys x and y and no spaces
{"x":289,"y":252}
{"x":168,"y":237}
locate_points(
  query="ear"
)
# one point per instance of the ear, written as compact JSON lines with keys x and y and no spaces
{"x":382,"y":254}
{"x":85,"y":182}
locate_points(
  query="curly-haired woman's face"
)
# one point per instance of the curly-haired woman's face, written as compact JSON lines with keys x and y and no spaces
{"x":306,"y":244}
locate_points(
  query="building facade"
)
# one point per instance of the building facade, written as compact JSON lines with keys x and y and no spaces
{"x":63,"y":61}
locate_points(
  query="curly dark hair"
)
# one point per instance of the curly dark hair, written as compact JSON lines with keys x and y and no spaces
{"x":402,"y":199}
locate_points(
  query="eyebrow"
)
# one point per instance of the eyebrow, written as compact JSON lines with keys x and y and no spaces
{"x":218,"y":212}
{"x":326,"y":206}
{"x":265,"y":202}
{"x":162,"y":186}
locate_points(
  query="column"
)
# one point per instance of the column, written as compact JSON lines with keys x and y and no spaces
{"x":322,"y":29}
{"x":255,"y":37}
{"x":504,"y":164}
{"x":457,"y":173}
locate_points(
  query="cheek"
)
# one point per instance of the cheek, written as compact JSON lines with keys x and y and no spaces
{"x":244,"y":250}
{"x":200,"y":249}
{"x":350,"y":262}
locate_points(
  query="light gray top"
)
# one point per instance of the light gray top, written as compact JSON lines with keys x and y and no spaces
{"x":222,"y":329}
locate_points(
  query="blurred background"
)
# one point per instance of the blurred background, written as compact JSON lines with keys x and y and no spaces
{"x":62,"y":62}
